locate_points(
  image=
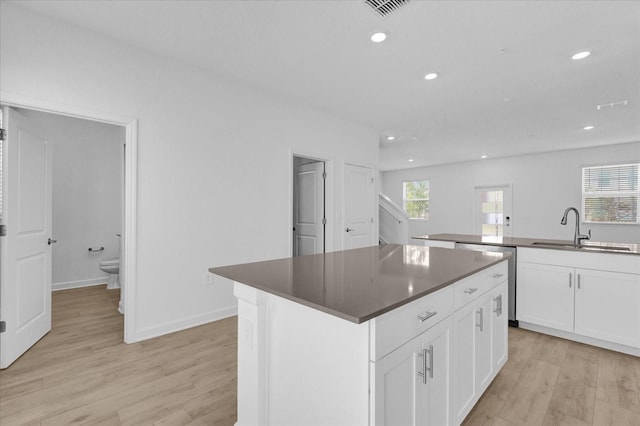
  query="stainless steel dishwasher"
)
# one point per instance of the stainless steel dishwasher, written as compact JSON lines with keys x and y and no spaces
{"x":512,"y":272}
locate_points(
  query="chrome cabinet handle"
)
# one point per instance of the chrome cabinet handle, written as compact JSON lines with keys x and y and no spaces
{"x":470,"y":290}
{"x":426,"y":367}
{"x":496,"y":276}
{"x":578,"y":281}
{"x":423,"y":373}
{"x":429,"y":351}
{"x":570,"y":279}
{"x":349,"y":230}
{"x":498,"y":301}
{"x":427,"y":315}
{"x":50,"y":241}
{"x":481,"y":323}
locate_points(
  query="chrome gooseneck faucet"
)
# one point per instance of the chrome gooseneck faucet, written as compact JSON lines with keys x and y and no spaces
{"x":577,"y":237}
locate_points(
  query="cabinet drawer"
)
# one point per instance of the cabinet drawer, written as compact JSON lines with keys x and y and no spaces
{"x":391,"y":330}
{"x":470,"y":288}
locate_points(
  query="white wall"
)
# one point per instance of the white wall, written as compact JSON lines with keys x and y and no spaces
{"x":87,"y":195}
{"x":214,"y":172}
{"x":543,"y":186}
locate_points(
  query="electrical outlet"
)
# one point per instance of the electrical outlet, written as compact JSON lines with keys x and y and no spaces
{"x":208,"y":278}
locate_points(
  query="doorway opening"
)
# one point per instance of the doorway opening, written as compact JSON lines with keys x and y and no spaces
{"x":309,"y":206}
{"x":14,"y":343}
{"x":493,"y":211}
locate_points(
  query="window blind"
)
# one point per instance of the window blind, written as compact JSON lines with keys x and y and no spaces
{"x":611,"y":194}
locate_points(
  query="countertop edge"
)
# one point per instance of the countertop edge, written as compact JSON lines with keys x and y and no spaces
{"x":526,"y":243}
{"x":365,"y":318}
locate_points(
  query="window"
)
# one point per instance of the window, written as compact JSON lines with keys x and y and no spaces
{"x":611,"y":194}
{"x":415,"y":199}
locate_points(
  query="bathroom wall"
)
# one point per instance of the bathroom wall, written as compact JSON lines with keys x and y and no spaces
{"x":87,"y":195}
{"x":543,"y":186}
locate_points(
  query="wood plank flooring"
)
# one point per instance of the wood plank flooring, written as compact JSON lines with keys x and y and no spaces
{"x":549,"y":381}
{"x":83,"y":373}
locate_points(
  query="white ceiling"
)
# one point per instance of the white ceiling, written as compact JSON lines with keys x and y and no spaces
{"x":507,"y":84}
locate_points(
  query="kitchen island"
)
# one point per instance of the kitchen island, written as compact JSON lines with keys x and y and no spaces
{"x":378,"y":335}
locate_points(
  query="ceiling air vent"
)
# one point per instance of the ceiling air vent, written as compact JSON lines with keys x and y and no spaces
{"x":385,"y":7}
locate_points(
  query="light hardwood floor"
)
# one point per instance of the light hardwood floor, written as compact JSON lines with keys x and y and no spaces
{"x":82,"y":373}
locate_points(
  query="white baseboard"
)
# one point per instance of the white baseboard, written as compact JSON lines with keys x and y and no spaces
{"x":80,"y":283}
{"x":581,"y":339}
{"x":183,"y":324}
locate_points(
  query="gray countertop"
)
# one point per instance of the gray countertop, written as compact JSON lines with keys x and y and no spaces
{"x":363,"y":283}
{"x":618,"y":248}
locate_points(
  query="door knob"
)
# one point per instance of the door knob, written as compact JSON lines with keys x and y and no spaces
{"x":50,"y":241}
{"x":349,"y":230}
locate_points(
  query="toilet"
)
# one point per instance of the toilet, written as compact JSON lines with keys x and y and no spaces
{"x":112,"y":267}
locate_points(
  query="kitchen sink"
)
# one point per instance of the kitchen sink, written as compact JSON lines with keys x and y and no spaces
{"x":581,"y":247}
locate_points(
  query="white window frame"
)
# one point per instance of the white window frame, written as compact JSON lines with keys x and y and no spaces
{"x":607,"y":194}
{"x":404,"y":199}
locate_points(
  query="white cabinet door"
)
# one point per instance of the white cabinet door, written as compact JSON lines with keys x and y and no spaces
{"x":464,"y":376}
{"x":545,"y":295}
{"x":608,"y":306}
{"x":484,"y":360}
{"x":399,"y":389}
{"x":499,"y":325}
{"x":436,"y":405}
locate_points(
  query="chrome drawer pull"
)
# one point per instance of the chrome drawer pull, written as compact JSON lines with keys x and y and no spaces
{"x":496,"y":276}
{"x":427,"y":316}
{"x":470,"y":290}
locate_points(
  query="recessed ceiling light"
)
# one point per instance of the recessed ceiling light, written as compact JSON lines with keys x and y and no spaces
{"x":483,"y":156}
{"x":588,"y":127}
{"x":431,"y":76}
{"x":390,"y":138}
{"x":378,"y":37}
{"x":411,"y":160}
{"x":581,"y":55}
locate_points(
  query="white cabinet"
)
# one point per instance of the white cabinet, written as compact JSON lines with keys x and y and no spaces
{"x":480,"y":342}
{"x":398,"y":388}
{"x":590,"y":295}
{"x":545,"y":295}
{"x":500,"y":326}
{"x":464,"y":376}
{"x":436,"y":359}
{"x":607,"y":306}
{"x":413,"y":385}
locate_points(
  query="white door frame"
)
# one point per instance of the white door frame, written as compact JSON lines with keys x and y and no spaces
{"x":128,"y":267}
{"x":329,"y":203}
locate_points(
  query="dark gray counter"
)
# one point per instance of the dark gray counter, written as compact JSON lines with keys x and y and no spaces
{"x":360,"y":284}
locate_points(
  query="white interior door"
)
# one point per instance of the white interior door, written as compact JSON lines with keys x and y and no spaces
{"x":493,"y":211}
{"x":358,"y":205}
{"x":25,"y":270}
{"x":308,"y":209}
